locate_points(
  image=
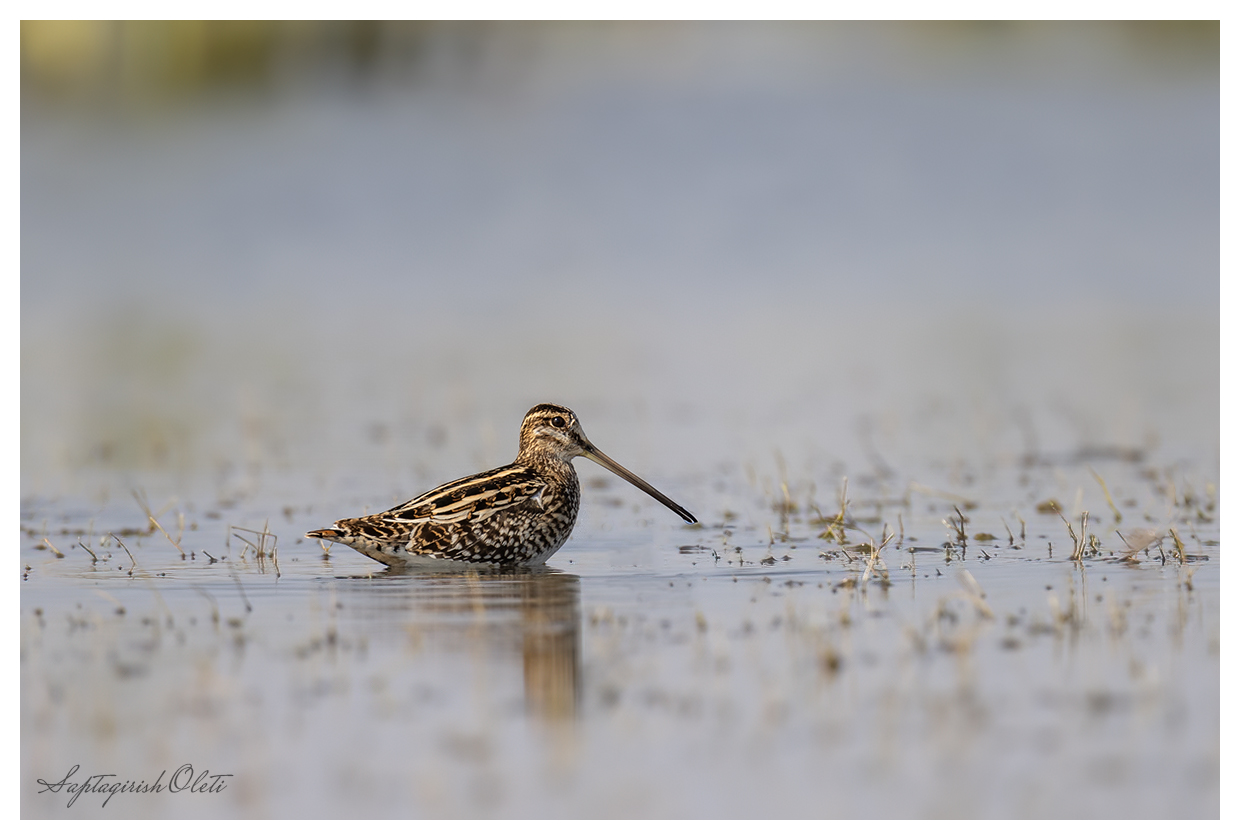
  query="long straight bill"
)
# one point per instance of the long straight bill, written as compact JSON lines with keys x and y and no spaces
{"x":602,"y":460}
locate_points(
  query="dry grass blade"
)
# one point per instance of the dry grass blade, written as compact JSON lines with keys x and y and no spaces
{"x":154,"y":523}
{"x":132,"y":562}
{"x":957,"y":526}
{"x":1179,"y":546}
{"x":1119,"y":517}
{"x":1011,"y":539}
{"x":785,"y":507}
{"x":1078,"y":543}
{"x":874,"y":560}
{"x":835,"y":525}
{"x":264,"y":544}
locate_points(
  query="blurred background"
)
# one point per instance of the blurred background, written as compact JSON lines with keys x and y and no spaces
{"x":345,"y":247}
{"x":274,"y":274}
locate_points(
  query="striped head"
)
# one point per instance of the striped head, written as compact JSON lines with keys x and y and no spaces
{"x":552,"y":431}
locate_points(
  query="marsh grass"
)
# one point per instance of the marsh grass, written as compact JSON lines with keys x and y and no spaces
{"x":835,"y":526}
{"x":263,"y":545}
{"x":873,"y":560}
{"x":983,"y":631}
{"x":133,"y":563}
{"x":958,"y":527}
{"x":1078,"y":543}
{"x":1006,"y":527}
{"x":1179,"y":546}
{"x":1106,"y":492}
{"x":140,"y":498}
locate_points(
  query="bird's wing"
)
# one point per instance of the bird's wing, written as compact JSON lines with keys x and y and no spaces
{"x":475,"y":497}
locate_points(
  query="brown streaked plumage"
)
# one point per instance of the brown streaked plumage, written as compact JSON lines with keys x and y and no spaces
{"x":515,"y":515}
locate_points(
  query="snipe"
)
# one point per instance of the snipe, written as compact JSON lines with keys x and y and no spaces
{"x":515,"y":515}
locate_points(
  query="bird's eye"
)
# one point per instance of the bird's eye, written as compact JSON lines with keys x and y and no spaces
{"x":558,"y":422}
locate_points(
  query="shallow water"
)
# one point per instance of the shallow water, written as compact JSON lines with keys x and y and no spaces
{"x":767,"y":269}
{"x":652,"y":669}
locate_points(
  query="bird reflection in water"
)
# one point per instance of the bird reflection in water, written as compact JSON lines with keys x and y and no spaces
{"x":536,"y":612}
{"x":551,"y":644}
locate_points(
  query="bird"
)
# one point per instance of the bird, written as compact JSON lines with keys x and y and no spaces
{"x":512,"y":516}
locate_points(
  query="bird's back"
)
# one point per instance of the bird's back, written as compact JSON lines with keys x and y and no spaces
{"x":516,"y":514}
